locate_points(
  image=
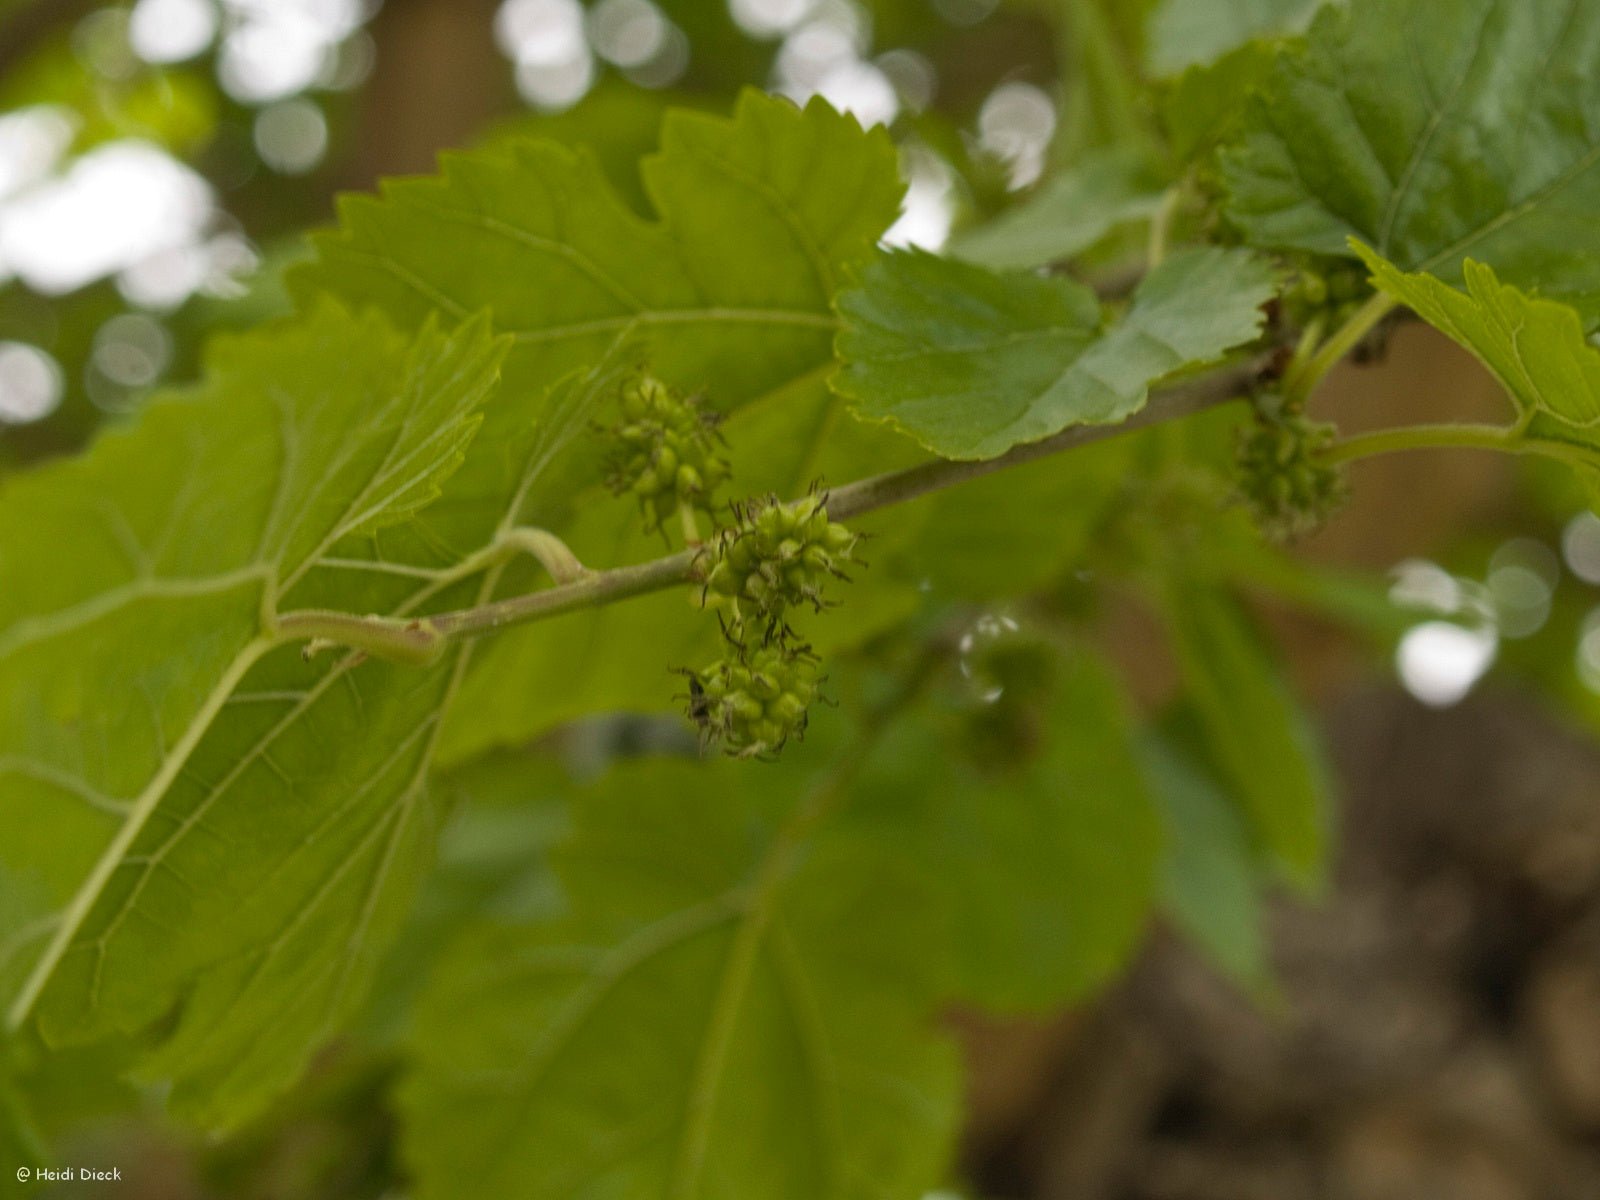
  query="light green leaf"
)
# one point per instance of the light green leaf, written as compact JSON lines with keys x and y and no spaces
{"x":971,"y":363}
{"x":1536,"y":348}
{"x":727,"y":291}
{"x":1069,"y":213}
{"x":1189,"y":33}
{"x":1261,"y":742}
{"x":733,"y":1009}
{"x":231,"y":827}
{"x":1434,"y":130}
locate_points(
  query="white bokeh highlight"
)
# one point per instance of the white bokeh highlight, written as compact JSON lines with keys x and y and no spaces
{"x":30,"y":383}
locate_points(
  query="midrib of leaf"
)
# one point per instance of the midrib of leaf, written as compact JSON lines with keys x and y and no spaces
{"x":809,"y":1021}
{"x":1516,"y":212}
{"x":143,"y":808}
{"x":1419,"y":151}
{"x":396,"y":822}
{"x":700,"y":1105}
{"x":139,"y":812}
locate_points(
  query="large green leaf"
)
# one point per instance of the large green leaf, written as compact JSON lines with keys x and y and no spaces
{"x":972,"y":362}
{"x":1259,"y":739}
{"x":729,"y":290}
{"x":737,"y":1000}
{"x":1535,"y":347}
{"x":1041,"y":873}
{"x":1434,"y":130}
{"x":230,"y":826}
{"x":1189,"y":33}
{"x":733,"y":1009}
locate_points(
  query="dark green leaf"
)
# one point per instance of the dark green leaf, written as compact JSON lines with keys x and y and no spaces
{"x":1434,"y":130}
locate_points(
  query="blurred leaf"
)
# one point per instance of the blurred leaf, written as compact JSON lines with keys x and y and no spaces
{"x":1202,"y":106}
{"x":493,"y":862}
{"x":1042,"y":872}
{"x":1190,"y":33}
{"x":1260,"y":740}
{"x":1071,"y":211}
{"x":1433,"y":130}
{"x":732,"y":1009}
{"x":968,"y":543}
{"x":971,"y":362}
{"x":1209,"y":876}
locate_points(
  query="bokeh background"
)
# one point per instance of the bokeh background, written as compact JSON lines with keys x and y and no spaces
{"x":1435,"y":1031}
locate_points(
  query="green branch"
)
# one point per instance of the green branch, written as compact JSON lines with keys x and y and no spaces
{"x":422,"y":640}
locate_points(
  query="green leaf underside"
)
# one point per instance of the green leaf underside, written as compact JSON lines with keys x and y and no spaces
{"x":1069,"y":213}
{"x":1190,"y":33}
{"x":728,"y":291}
{"x":971,"y":363}
{"x":740,"y":1013}
{"x":1535,"y":347}
{"x":1259,"y":740}
{"x":1434,"y":130}
{"x":143,"y":828}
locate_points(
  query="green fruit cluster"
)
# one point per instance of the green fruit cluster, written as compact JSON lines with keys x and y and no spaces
{"x":664,"y":450}
{"x":774,"y":557}
{"x":1290,"y":489}
{"x":755,"y":704}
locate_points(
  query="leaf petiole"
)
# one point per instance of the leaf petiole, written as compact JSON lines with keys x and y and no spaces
{"x":1508,"y":439}
{"x":1299,"y":385}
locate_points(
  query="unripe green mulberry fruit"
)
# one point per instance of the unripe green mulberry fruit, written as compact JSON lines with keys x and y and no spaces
{"x":1282,"y":476}
{"x":664,"y":451}
{"x":775,"y":557}
{"x":754,"y":705}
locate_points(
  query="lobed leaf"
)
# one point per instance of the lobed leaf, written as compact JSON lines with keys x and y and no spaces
{"x":1535,"y":347}
{"x":1434,"y":130}
{"x":230,"y":838}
